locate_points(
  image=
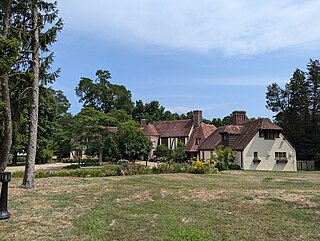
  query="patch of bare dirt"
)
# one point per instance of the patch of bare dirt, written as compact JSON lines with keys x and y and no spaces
{"x":301,"y":198}
{"x":203,"y":195}
{"x":137,"y":198}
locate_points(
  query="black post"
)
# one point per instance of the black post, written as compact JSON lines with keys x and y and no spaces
{"x":5,"y":178}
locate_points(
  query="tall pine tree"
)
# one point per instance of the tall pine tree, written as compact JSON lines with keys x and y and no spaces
{"x":297,"y":109}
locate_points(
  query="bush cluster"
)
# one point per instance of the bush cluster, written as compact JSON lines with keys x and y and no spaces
{"x":123,"y":168}
{"x":74,"y":173}
{"x":83,"y":162}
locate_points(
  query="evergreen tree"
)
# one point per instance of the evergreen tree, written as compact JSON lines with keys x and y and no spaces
{"x":297,"y":109}
{"x":42,"y":32}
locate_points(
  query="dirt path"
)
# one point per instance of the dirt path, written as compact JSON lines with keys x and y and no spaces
{"x":48,"y":166}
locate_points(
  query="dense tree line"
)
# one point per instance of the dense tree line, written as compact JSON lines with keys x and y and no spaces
{"x":297,"y":109}
{"x":27,"y":29}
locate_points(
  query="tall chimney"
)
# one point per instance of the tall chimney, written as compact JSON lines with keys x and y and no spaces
{"x":197,"y":118}
{"x":239,"y":117}
{"x":143,"y":123}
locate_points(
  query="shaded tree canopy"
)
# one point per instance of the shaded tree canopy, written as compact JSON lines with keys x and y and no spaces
{"x":297,"y":109}
{"x":132,"y":143}
{"x":101,"y":95}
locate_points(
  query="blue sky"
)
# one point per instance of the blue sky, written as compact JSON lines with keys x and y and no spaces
{"x":213,"y":55}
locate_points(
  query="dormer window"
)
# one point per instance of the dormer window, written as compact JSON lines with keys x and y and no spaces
{"x":225,"y":137}
{"x":269,"y":134}
{"x":198,"y":141}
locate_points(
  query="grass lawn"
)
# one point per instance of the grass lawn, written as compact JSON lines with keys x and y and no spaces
{"x":233,"y":205}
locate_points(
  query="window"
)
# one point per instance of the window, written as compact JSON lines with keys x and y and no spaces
{"x":78,"y":153}
{"x":281,"y":155}
{"x":164,"y":141}
{"x":225,"y":137}
{"x":269,"y":134}
{"x":198,"y":141}
{"x":256,"y":159}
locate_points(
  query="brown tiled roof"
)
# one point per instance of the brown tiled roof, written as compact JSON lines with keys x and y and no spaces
{"x":232,"y":129}
{"x":250,"y":129}
{"x":245,"y":132}
{"x":201,"y":132}
{"x":178,"y":128}
{"x":212,"y":140}
{"x":150,"y":130}
{"x":268,"y":125}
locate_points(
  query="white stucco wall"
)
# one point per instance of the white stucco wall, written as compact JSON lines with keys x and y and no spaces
{"x":73,"y":155}
{"x":203,"y":155}
{"x":237,"y":159}
{"x":266,"y":153}
{"x":154,"y":140}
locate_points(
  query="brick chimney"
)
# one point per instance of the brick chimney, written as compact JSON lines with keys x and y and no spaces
{"x":239,"y":117}
{"x":197,"y":118}
{"x":143,"y":123}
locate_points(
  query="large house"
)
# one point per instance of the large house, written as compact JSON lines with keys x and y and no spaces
{"x":259,"y":144}
{"x":169,"y":133}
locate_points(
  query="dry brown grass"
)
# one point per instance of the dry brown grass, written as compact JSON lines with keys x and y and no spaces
{"x":232,"y":205}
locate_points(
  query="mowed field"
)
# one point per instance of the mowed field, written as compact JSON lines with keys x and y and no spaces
{"x":233,"y":205}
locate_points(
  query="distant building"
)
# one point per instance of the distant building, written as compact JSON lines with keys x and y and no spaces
{"x":260,"y":144}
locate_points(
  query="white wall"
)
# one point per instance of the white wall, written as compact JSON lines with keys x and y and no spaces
{"x":203,"y":155}
{"x":73,"y":155}
{"x":154,"y":141}
{"x":237,"y":159}
{"x":266,"y":152}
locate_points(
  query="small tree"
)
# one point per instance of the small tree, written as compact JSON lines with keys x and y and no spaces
{"x":90,"y":130}
{"x":132,"y":144}
{"x":178,"y":154}
{"x":223,"y":156}
{"x":162,"y":152}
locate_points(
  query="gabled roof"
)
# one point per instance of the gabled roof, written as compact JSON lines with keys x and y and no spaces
{"x":212,"y":140}
{"x":201,"y":132}
{"x":215,"y":139}
{"x":178,"y":128}
{"x":250,"y":129}
{"x":245,"y":133}
{"x":232,"y":129}
{"x":150,"y":130}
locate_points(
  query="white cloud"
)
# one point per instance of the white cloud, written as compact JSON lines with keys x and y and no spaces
{"x":238,"y":27}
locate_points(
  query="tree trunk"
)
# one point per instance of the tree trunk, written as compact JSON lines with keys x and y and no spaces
{"x":7,"y":118}
{"x":28,"y":179}
{"x":7,"y":139}
{"x":100,"y":156}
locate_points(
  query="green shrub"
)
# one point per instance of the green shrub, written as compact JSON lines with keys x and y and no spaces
{"x":89,"y":162}
{"x":137,"y":170}
{"x":68,"y":160}
{"x":234,"y":167}
{"x":17,"y":174}
{"x":171,"y":168}
{"x":116,"y":171}
{"x":199,"y":167}
{"x":221,"y":166}
{"x":73,"y":166}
